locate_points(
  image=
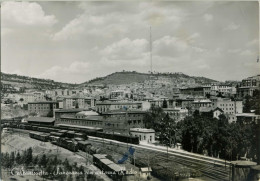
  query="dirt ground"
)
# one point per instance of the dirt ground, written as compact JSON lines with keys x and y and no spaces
{"x":19,"y":142}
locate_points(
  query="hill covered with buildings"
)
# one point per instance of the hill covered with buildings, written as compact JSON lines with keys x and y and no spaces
{"x":129,"y":77}
{"x":14,"y":83}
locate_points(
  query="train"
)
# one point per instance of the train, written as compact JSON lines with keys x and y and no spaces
{"x":110,"y":168}
{"x":67,"y":144}
{"x":71,"y":132}
{"x":39,"y":136}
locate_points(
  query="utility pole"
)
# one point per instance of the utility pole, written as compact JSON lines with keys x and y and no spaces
{"x":151,"y":55}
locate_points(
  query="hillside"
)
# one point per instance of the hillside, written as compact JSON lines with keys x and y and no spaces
{"x":14,"y":82}
{"x":127,"y":77}
{"x":18,"y":83}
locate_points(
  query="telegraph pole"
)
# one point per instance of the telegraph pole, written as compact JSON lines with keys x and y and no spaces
{"x":151,"y":55}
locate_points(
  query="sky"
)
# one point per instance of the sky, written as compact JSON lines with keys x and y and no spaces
{"x":77,"y":41}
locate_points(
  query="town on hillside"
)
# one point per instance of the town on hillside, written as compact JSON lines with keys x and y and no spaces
{"x":213,"y":119}
{"x":130,"y":90}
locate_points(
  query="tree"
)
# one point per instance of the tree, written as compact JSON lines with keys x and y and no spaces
{"x":81,"y":169}
{"x":35,"y":160}
{"x":12,"y":157}
{"x":29,"y":156}
{"x":21,"y":100}
{"x":165,"y":105}
{"x":220,"y":95}
{"x":43,"y":161}
{"x":49,"y":168}
{"x":18,"y":158}
{"x":247,"y":105}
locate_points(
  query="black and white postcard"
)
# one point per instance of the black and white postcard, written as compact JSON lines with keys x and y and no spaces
{"x":130,"y":91}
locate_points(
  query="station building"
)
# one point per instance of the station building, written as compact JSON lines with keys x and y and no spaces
{"x":144,"y":135}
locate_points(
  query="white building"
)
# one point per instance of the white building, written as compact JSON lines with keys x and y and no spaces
{"x":227,"y":105}
{"x":145,"y":135}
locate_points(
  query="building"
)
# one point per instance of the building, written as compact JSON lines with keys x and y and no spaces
{"x":145,"y":172}
{"x":121,"y":121}
{"x":78,"y":102}
{"x":110,"y":106}
{"x":203,"y":105}
{"x":248,"y":86}
{"x":42,"y":108}
{"x":227,"y":105}
{"x":58,"y":113}
{"x":120,"y":94}
{"x":184,"y":103}
{"x":196,"y":91}
{"x":90,"y":120}
{"x":177,"y":113}
{"x":247,"y":118}
{"x":41,"y":121}
{"x":144,"y":135}
{"x":217,"y":112}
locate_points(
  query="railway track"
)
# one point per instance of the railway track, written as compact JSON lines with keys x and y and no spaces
{"x":217,"y":171}
{"x":208,"y":167}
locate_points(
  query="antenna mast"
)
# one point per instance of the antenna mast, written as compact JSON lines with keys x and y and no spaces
{"x":151,"y":55}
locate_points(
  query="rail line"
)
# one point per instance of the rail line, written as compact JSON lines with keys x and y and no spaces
{"x":211,"y":168}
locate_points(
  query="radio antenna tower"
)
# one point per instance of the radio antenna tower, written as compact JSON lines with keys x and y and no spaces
{"x":151,"y":55}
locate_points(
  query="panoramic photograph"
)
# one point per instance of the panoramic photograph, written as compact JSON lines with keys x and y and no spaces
{"x":130,"y":91}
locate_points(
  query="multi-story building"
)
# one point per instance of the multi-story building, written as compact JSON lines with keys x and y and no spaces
{"x":225,"y":89}
{"x":43,"y":108}
{"x":119,"y":94}
{"x":196,"y":91}
{"x":62,"y":92}
{"x":121,"y":121}
{"x":110,"y":106}
{"x":227,"y":105}
{"x":176,"y":113}
{"x":248,"y":86}
{"x":202,"y":105}
{"x":184,"y":103}
{"x":85,"y":119}
{"x":78,"y":102}
{"x":65,"y":112}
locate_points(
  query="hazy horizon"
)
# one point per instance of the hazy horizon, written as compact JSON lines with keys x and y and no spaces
{"x":74,"y":42}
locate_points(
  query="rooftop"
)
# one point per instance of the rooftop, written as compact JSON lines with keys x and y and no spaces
{"x":121,"y":111}
{"x":42,"y":102}
{"x":142,"y":130}
{"x":88,"y":113}
{"x":247,"y":115}
{"x":76,"y":126}
{"x":146,"y":169}
{"x":41,"y":119}
{"x":116,"y":103}
{"x":70,"y":110}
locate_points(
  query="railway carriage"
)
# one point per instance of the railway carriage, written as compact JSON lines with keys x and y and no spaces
{"x":83,"y":145}
{"x":39,"y":136}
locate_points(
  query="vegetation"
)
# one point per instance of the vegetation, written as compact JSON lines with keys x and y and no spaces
{"x":201,"y":133}
{"x":52,"y":166}
{"x":252,"y":103}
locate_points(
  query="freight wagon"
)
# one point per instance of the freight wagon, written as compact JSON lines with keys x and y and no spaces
{"x":39,"y":136}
